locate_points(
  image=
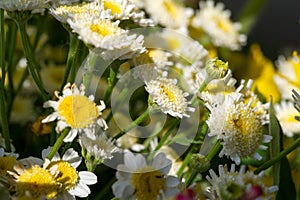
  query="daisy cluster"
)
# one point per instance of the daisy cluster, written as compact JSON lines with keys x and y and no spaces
{"x":143,"y":99}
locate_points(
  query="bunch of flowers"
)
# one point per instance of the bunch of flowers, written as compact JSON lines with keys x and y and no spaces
{"x":149,"y":96}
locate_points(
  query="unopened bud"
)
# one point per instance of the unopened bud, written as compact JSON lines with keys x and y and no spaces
{"x":216,"y":68}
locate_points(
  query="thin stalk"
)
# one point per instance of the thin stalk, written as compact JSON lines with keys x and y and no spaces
{"x":31,"y":59}
{"x":135,"y":123}
{"x":4,"y":120}
{"x":74,"y":44}
{"x":279,"y":156}
{"x":58,"y":143}
{"x":11,"y":50}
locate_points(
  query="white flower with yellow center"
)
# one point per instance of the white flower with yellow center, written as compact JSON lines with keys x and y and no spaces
{"x":168,"y":96}
{"x":34,"y":182}
{"x":139,"y":180}
{"x":240,"y":184}
{"x":125,"y":9}
{"x":239,"y":127}
{"x":288,"y":76}
{"x":285,"y":113}
{"x":190,"y":51}
{"x":75,"y":110}
{"x":72,"y":183}
{"x":24,"y":5}
{"x":168,"y":13}
{"x":63,"y":12}
{"x":97,"y":149}
{"x":105,"y":35}
{"x":216,"y":22}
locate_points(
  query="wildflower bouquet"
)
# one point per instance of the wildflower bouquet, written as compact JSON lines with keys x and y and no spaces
{"x":132,"y":99}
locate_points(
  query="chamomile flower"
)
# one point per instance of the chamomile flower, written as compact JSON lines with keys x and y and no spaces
{"x":216,"y":22}
{"x":288,"y":76}
{"x":34,"y":182}
{"x":239,"y":126}
{"x":139,"y":180}
{"x":72,"y":183}
{"x":105,"y":35}
{"x":97,"y":149}
{"x":63,"y":12}
{"x":285,"y":113}
{"x":24,"y":5}
{"x":75,"y":110}
{"x":168,"y":13}
{"x":240,"y":184}
{"x":168,"y":96}
{"x":125,"y":9}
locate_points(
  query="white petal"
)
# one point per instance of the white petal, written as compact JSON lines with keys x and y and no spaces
{"x":87,"y":178}
{"x":71,"y":135}
{"x":72,"y":157}
{"x":172,"y":181}
{"x":161,"y":162}
{"x":133,"y":162}
{"x":50,"y":117}
{"x":81,"y":190}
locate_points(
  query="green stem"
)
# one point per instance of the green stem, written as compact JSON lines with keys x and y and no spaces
{"x":92,"y":59}
{"x":2,"y":46}
{"x":184,"y":163}
{"x":74,"y":44}
{"x":31,"y":59}
{"x":215,"y":150}
{"x":58,"y":143}
{"x":11,"y":50}
{"x":191,"y":178}
{"x":111,"y":83}
{"x":4,"y":120}
{"x":279,"y":156}
{"x":163,"y":140}
{"x":136,"y":122}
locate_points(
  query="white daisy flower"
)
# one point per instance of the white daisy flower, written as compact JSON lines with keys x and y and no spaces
{"x":63,"y":12}
{"x":34,"y":182}
{"x":139,"y":180}
{"x":105,"y":35}
{"x":24,"y":5}
{"x":215,"y":21}
{"x":288,"y":76}
{"x":72,"y":183}
{"x":239,"y":126}
{"x":168,"y":13}
{"x":168,"y":96}
{"x":97,"y":149}
{"x":178,"y":43}
{"x":285,"y":113}
{"x":125,"y":9}
{"x":240,"y":184}
{"x":73,"y":109}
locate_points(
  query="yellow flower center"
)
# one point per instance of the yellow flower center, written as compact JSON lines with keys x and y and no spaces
{"x":170,"y":7}
{"x":78,"y":111}
{"x":170,"y":95}
{"x":68,"y":176}
{"x":7,"y":164}
{"x":245,"y":128}
{"x":224,"y":25}
{"x":104,"y":28}
{"x":38,"y":181}
{"x":113,"y":6}
{"x":148,"y":183}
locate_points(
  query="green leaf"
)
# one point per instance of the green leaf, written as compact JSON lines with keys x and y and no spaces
{"x":281,"y":170}
{"x":276,"y":146}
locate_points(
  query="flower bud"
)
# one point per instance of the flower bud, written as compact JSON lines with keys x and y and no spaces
{"x":216,"y":68}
